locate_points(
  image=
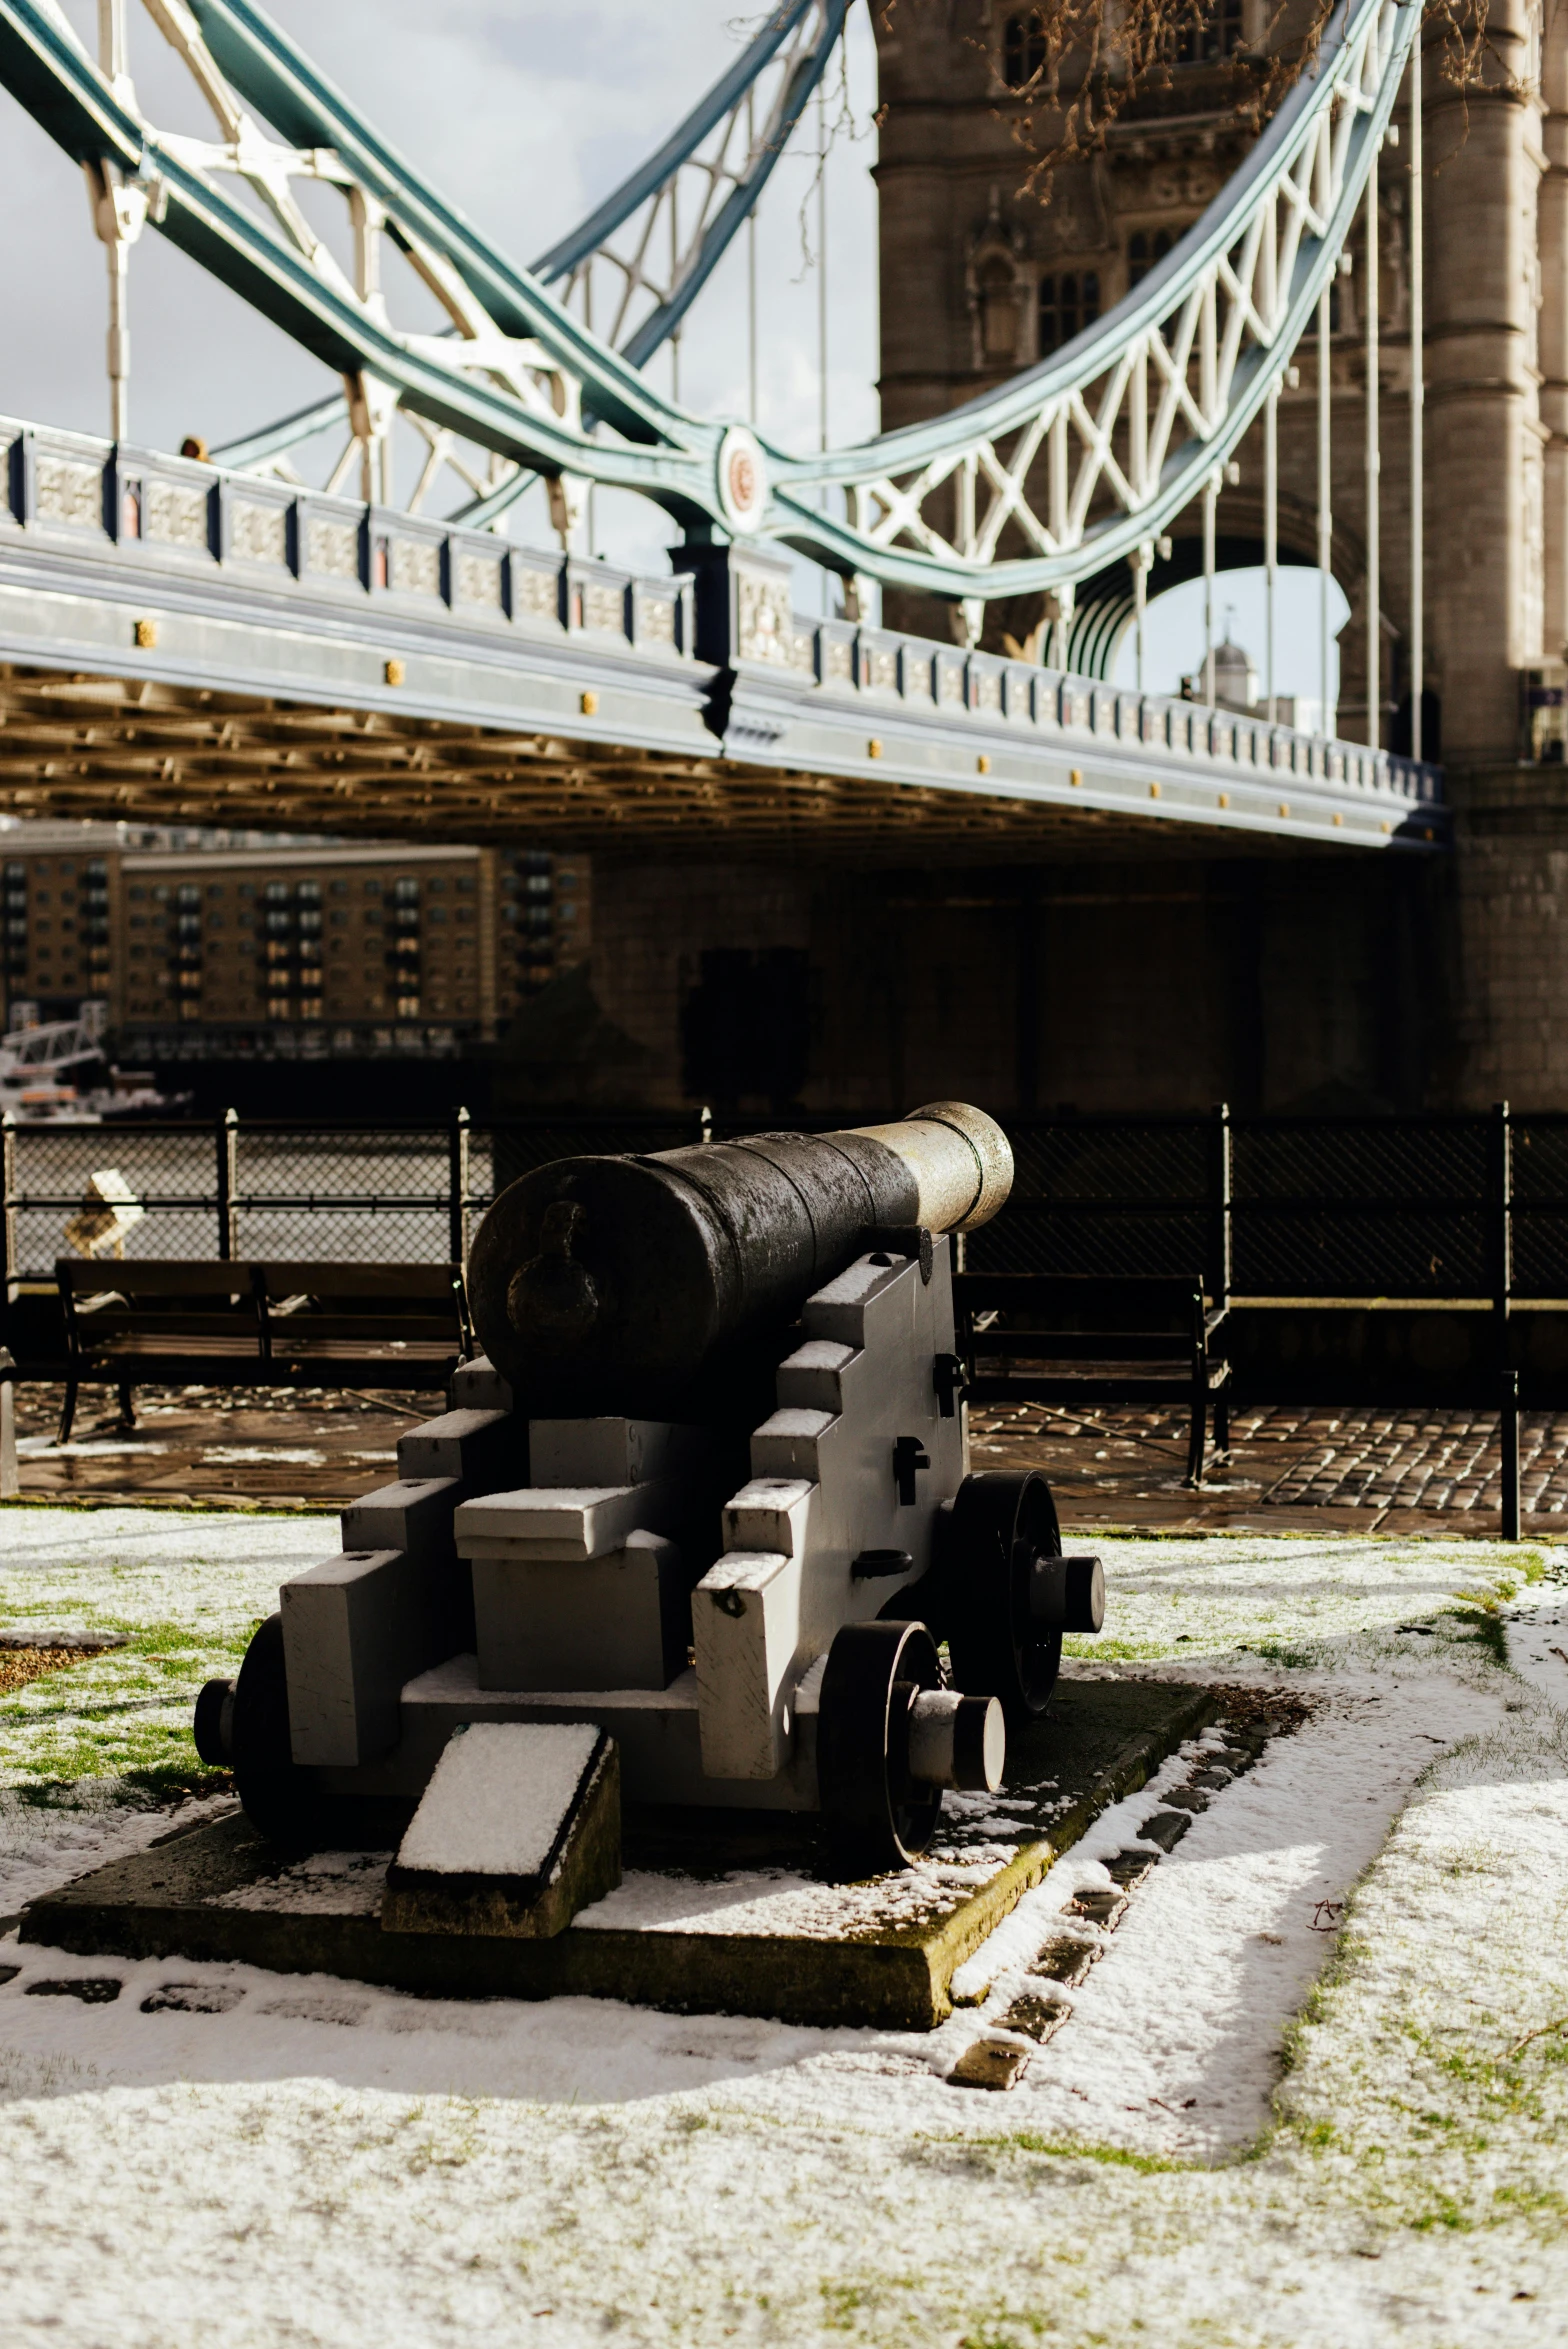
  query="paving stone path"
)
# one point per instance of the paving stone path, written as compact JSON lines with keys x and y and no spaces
{"x":1304,"y":1467}
{"x":1292,"y":1467}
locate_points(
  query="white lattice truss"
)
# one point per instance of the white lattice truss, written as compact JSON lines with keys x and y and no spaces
{"x":1135,"y":417}
{"x":651,"y":258}
{"x":1077,"y":463}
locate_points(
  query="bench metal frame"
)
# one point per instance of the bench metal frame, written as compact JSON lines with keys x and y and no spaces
{"x":1092,"y":1319}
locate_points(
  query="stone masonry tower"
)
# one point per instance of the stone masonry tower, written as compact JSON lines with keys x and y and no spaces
{"x":979,"y":279}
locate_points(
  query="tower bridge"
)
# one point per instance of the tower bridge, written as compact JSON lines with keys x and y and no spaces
{"x":218,"y":641}
{"x":191,"y":644}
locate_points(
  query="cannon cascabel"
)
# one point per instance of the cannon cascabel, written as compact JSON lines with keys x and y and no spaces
{"x":617,"y":1284}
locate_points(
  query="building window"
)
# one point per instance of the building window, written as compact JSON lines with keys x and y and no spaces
{"x":1069,"y":301}
{"x":1206,"y":39}
{"x":1146,"y":247}
{"x":1023,"y":48}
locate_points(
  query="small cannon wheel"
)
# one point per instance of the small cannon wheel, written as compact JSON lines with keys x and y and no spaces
{"x":878,"y":1816}
{"x":1000,"y":1525}
{"x":278,"y":1795}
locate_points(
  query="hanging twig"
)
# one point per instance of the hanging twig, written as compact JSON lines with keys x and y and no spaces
{"x":1092,"y":59}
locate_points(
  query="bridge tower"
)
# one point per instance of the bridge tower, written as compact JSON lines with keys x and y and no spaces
{"x":1469,"y":965}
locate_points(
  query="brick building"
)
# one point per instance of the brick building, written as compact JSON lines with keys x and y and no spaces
{"x":197,"y":947}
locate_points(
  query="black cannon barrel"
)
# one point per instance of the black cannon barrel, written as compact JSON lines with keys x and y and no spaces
{"x":629,"y":1284}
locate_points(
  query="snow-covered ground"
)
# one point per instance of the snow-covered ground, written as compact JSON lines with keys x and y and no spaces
{"x":1379,"y":1906}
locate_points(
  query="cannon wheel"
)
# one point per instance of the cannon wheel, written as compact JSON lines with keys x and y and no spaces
{"x":999,"y":1525}
{"x":279,"y":1796}
{"x":245,"y":1724}
{"x":877,"y":1817}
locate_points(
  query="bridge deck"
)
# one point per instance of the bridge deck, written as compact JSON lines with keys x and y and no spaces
{"x":183,"y":644}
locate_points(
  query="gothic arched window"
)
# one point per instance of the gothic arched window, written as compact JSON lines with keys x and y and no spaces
{"x":1023,"y":48}
{"x":1069,"y":301}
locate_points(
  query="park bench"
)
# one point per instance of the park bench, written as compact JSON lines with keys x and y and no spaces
{"x":1088,"y":1338}
{"x":259,"y":1324}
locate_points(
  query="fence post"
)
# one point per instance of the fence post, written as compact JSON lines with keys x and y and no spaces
{"x":1220,"y":1204}
{"x":1508,"y":1431}
{"x":8,"y":1195}
{"x":10,"y":1480}
{"x":457,"y":1188}
{"x":1500,"y":1238}
{"x":1500,"y":1189}
{"x":228,"y":1169}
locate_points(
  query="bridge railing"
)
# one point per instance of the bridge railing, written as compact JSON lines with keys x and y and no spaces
{"x":176,"y":525}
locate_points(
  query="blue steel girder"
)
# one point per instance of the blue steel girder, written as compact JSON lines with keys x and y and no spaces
{"x":662,"y":451}
{"x":1085,"y":460}
{"x":800,"y":38}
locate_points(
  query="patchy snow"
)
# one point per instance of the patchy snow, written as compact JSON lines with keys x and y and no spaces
{"x":325,"y":1884}
{"x":1273,"y":1597}
{"x":1174,"y":2043}
{"x":1538,"y":1644}
{"x":773,"y":1902}
{"x":48,"y":1834}
{"x":323,"y":2162}
{"x":185,"y":1588}
{"x":499,"y":1797}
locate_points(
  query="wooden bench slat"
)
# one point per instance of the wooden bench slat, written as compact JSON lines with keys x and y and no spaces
{"x":390,"y":1283}
{"x":1084,"y":1345}
{"x":152,"y":1278}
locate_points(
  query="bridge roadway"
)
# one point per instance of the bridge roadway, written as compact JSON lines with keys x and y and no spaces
{"x":182,"y":644}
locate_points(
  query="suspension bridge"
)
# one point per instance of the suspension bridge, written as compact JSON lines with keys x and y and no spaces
{"x":205,"y":636}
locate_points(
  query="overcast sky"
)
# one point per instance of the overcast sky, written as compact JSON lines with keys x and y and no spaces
{"x":526,"y":114}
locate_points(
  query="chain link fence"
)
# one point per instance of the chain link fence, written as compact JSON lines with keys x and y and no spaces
{"x":388,"y":1194}
{"x":1421,"y":1208}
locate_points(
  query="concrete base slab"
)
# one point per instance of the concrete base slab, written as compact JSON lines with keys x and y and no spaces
{"x":717,"y":1911}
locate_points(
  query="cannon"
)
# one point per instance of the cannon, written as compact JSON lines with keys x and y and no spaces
{"x":704,"y":1502}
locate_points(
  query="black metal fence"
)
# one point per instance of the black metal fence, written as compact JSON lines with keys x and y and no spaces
{"x":1424,"y":1208}
{"x":1419,"y":1208}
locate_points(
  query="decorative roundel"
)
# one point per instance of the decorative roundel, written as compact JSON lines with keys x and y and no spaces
{"x":743,"y":481}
